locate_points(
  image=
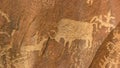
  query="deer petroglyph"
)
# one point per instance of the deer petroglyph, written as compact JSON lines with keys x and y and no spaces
{"x":105,"y":23}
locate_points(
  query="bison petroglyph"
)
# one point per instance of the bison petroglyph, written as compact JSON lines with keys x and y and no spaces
{"x":71,"y":30}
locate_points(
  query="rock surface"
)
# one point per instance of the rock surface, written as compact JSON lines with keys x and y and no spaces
{"x":59,"y":34}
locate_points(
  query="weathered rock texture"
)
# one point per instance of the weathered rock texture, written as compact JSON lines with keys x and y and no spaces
{"x":59,"y":34}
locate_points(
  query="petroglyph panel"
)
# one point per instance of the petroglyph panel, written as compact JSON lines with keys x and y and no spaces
{"x":71,"y":29}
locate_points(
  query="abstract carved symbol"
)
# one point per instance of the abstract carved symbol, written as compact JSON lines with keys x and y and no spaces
{"x":116,"y":45}
{"x":107,"y":62}
{"x":71,"y":30}
{"x":111,"y":61}
{"x":48,"y":3}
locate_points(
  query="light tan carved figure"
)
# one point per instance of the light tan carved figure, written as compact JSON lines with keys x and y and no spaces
{"x":5,"y":49}
{"x":89,"y":2}
{"x":5,"y":16}
{"x":105,"y":23}
{"x":71,"y":30}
